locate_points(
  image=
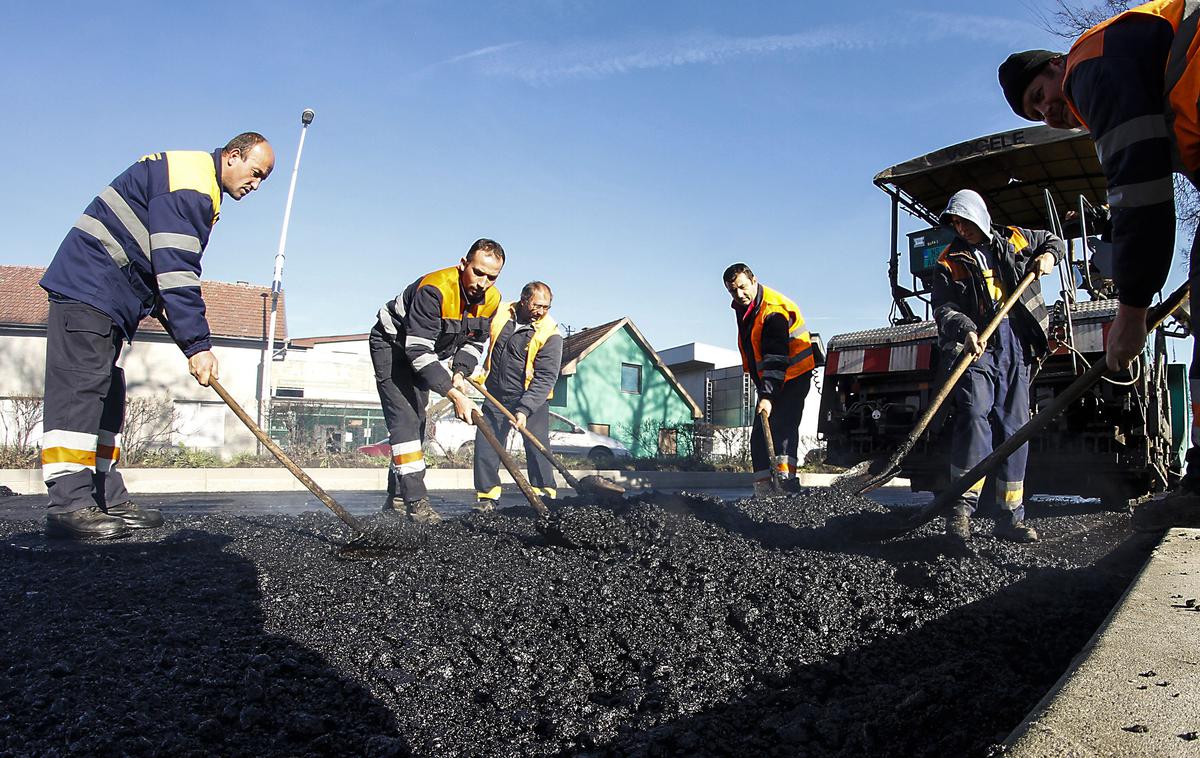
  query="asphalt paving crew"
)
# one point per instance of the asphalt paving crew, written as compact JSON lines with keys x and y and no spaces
{"x":777,"y":353}
{"x":974,"y":275}
{"x":134,"y":252}
{"x":1133,"y":81}
{"x":522,"y":367}
{"x":443,"y":315}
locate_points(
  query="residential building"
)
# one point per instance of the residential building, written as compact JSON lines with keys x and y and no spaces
{"x":613,"y":382}
{"x":155,"y":370}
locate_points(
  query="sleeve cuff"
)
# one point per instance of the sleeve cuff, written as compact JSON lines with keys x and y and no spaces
{"x":197,"y":347}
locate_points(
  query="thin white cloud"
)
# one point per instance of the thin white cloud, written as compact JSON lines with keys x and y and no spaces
{"x":540,"y":64}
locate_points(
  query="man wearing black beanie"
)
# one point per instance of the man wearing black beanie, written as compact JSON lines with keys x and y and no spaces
{"x":1133,"y":81}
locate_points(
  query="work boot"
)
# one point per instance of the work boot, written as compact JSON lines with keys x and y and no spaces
{"x":483,"y":505}
{"x":958,"y":526}
{"x":394,"y":505}
{"x":1017,"y":531}
{"x":422,"y":512}
{"x":134,"y":516}
{"x":791,"y":485}
{"x":85,"y":524}
{"x":764,"y":488}
{"x":1178,"y":508}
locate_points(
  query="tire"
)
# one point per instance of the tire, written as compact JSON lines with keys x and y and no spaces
{"x":601,"y":456}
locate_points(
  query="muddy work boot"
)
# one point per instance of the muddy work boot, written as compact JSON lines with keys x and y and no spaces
{"x":1015,"y":531}
{"x":394,"y":505}
{"x":958,"y":526}
{"x":421,"y":512}
{"x":764,"y":489}
{"x":1178,"y":508}
{"x":483,"y":505}
{"x":791,"y":485}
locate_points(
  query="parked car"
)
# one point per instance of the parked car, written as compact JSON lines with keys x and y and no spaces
{"x":566,"y":438}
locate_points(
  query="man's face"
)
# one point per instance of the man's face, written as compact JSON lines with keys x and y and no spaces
{"x":479,"y":273}
{"x":534,"y":307}
{"x":966,"y":229}
{"x":1044,"y":99}
{"x":241,"y":174}
{"x":743,"y":289}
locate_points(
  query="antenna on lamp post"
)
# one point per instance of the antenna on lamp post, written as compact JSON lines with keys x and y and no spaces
{"x":265,"y":391}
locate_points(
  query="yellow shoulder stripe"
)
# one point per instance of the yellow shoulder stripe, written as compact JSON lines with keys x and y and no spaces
{"x":194,"y":170}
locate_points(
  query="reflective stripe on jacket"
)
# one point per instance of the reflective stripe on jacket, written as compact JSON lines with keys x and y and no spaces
{"x":137,"y":246}
{"x":434,"y":320}
{"x":769,"y":367}
{"x":545,"y":328}
{"x":964,"y":297}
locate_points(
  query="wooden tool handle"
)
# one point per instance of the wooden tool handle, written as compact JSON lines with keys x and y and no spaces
{"x":571,"y":480}
{"x":509,"y":464}
{"x":283,"y":458}
{"x":765,"y":420}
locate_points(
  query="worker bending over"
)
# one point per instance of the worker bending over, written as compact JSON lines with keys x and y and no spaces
{"x":445,"y":314}
{"x":134,"y":252}
{"x":974,"y":276}
{"x":1133,"y":81}
{"x":777,"y":353}
{"x":522,"y":367}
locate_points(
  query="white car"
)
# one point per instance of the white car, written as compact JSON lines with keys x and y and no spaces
{"x":566,"y":438}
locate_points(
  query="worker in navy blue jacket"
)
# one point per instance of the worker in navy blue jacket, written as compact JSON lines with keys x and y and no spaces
{"x":134,"y":252}
{"x":1134,"y":82}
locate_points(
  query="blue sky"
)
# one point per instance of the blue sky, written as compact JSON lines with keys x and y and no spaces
{"x":624,"y":152}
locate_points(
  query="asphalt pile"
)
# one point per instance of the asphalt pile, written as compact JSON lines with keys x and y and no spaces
{"x":665,"y":625}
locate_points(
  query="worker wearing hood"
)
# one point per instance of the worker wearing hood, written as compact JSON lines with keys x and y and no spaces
{"x":974,"y":277}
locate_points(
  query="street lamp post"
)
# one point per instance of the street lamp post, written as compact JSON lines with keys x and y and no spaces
{"x":265,"y":393}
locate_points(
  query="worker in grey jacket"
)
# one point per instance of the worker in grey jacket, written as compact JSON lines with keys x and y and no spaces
{"x":975,"y":275}
{"x":522,"y":368}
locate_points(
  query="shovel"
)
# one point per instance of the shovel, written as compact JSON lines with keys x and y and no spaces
{"x":364,"y":543}
{"x":589,"y":485}
{"x":873,"y":474}
{"x":479,"y":421}
{"x":1157,"y":315}
{"x":765,"y":422}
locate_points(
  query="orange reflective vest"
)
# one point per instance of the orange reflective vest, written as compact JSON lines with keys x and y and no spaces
{"x":1182,"y":84}
{"x":800,"y":351}
{"x":545,"y":328}
{"x":446,"y":281}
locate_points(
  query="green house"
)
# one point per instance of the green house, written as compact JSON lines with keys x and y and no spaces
{"x":613,"y":382}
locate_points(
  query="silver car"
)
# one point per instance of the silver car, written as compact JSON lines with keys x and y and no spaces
{"x":566,"y":438}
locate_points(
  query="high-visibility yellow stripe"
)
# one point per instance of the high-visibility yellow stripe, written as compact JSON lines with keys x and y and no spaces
{"x":69,"y":455}
{"x":407,"y":457}
{"x":194,"y":170}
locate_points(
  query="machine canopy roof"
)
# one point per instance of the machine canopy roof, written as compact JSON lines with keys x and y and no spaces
{"x":1010,"y":169}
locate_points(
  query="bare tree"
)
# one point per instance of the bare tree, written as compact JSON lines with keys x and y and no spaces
{"x":20,"y":419}
{"x":1068,"y":21}
{"x":149,"y":423}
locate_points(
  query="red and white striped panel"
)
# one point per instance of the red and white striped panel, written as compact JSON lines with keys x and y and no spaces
{"x":914,"y":356}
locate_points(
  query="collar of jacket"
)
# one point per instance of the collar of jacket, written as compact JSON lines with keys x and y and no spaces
{"x":752,"y":308}
{"x":216,"y":154}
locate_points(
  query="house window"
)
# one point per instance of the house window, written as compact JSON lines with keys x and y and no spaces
{"x":289,"y":392}
{"x":631,"y":378}
{"x":599,"y":429}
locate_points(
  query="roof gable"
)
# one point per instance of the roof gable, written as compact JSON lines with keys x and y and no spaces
{"x":579,"y":345}
{"x":237,"y":311}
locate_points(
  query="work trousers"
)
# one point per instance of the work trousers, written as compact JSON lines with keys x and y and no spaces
{"x":786,"y":409}
{"x":83,"y":408}
{"x":487,"y":461}
{"x":992,"y":403}
{"x":403,"y":404}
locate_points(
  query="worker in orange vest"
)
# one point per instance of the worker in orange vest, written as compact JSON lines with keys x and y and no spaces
{"x":1133,"y":82}
{"x":777,"y":353}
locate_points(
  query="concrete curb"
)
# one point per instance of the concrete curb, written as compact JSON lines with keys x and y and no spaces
{"x":173,"y":480}
{"x":1134,"y":689}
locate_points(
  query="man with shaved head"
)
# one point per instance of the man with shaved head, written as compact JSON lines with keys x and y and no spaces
{"x":134,"y":252}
